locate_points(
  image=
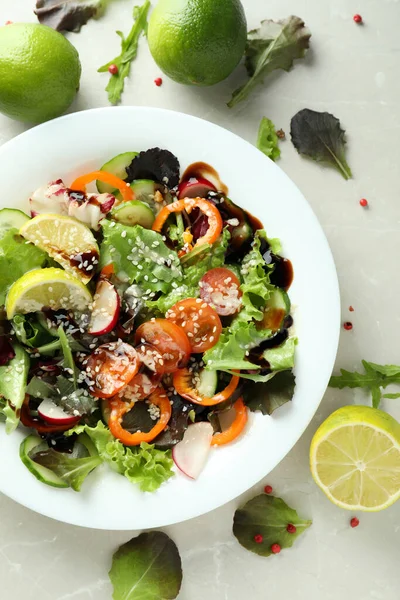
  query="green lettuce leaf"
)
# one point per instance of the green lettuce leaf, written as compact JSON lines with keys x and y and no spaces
{"x":269,"y":395}
{"x":29,"y":332}
{"x":275,"y":45}
{"x":144,"y":465}
{"x":147,"y":567}
{"x":192,"y":273}
{"x":13,"y":379}
{"x":256,"y":287}
{"x":71,"y":470}
{"x":269,"y":517}
{"x":281,"y":357}
{"x":229,"y":353}
{"x":17,"y":257}
{"x":142,"y":256}
{"x":267,"y":140}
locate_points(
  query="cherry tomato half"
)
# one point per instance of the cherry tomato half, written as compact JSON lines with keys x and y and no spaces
{"x":110,"y":367}
{"x":150,"y":373}
{"x":198,"y":320}
{"x":219,"y":287}
{"x":169,"y":339}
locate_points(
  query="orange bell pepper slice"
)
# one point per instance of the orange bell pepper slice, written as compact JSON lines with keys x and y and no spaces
{"x":119,"y":408}
{"x":107,"y":271}
{"x":215,"y":222}
{"x":81,"y":182}
{"x":230,"y":434}
{"x":183,"y":384}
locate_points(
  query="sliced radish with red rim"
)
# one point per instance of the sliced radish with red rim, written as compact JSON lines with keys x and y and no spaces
{"x":195,"y":187}
{"x":51,"y":413}
{"x":106,"y":307}
{"x":190,"y":455}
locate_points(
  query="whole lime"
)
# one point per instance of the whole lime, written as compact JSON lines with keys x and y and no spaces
{"x":39,"y":72}
{"x":197,"y":42}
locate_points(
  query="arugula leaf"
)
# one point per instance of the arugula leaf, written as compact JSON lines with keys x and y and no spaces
{"x":68,"y":363}
{"x":275,"y":45}
{"x":142,"y":255}
{"x":13,"y":379}
{"x":129,"y":48}
{"x":319,"y":136}
{"x":281,"y":357}
{"x":267,"y":516}
{"x":229,"y":353}
{"x":374,"y":379}
{"x":72,"y":470}
{"x":270,"y":395}
{"x":68,"y":15}
{"x":267,"y":140}
{"x":147,"y":567}
{"x":143,"y":465}
{"x":16,"y":258}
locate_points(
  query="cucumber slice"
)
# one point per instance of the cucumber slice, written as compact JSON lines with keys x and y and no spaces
{"x":117,"y":166}
{"x":134,"y":212}
{"x":279,"y":299}
{"x":11,"y":217}
{"x":41,"y":473}
{"x":276,"y":309}
{"x":144,"y":189}
{"x":207,"y":384}
{"x":105,"y":411}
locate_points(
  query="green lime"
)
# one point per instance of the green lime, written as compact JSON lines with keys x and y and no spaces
{"x":39,"y":72}
{"x":197,"y":42}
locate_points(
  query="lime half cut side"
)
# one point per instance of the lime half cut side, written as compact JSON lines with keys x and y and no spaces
{"x":355,"y":458}
{"x":52,"y":288}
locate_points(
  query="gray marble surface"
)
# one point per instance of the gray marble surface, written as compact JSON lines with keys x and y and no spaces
{"x":352,"y":71}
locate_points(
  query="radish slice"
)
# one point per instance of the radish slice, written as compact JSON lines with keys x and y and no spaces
{"x":195,"y":187}
{"x":51,"y":413}
{"x":106,"y":307}
{"x":190,"y":455}
{"x":51,"y":198}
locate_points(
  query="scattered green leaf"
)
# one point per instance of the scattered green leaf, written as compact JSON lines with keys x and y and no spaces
{"x":275,"y":45}
{"x":319,"y":136}
{"x":147,"y":567}
{"x":267,"y":140}
{"x":267,"y":516}
{"x":129,"y":48}
{"x":374,"y":379}
{"x":68,"y":15}
{"x":13,"y":379}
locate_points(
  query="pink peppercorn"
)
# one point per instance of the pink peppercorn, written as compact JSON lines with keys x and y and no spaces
{"x":113,"y":69}
{"x":275,"y":548}
{"x":291,"y":528}
{"x":158,"y":81}
{"x":258,"y":539}
{"x":348,"y":326}
{"x":268,"y":489}
{"x":354,"y":522}
{"x":357,"y":18}
{"x":364,"y":202}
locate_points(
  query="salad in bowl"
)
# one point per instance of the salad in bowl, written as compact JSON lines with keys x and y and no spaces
{"x":141,"y":321}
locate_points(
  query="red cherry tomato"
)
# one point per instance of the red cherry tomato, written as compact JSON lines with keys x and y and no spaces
{"x":110,"y":367}
{"x":198,"y":320}
{"x":219,"y":287}
{"x":150,"y":373}
{"x":169,"y":339}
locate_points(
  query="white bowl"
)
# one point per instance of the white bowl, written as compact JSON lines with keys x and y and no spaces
{"x":81,"y":142}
